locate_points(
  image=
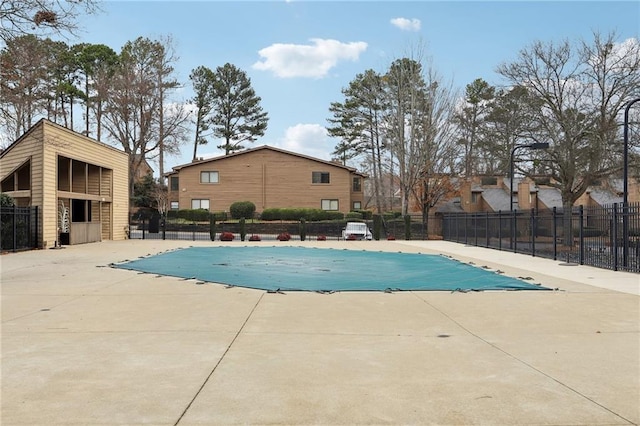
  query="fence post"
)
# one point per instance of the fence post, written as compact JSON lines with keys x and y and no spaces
{"x":35,"y":237}
{"x":499,"y":229}
{"x":581,"y":234}
{"x":554,"y":234}
{"x":14,"y":226}
{"x":515,"y":231}
{"x":475,"y":229}
{"x":486,"y":228}
{"x":143,"y":229}
{"x":533,"y":233}
{"x":614,"y":237}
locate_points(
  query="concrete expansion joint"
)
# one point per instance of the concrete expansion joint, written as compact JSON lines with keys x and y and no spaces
{"x":220,"y":360}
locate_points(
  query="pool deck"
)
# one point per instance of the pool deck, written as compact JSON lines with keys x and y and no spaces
{"x":86,"y":344}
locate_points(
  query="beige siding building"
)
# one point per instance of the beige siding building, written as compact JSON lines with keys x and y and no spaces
{"x":79,"y":185}
{"x":268,"y":177}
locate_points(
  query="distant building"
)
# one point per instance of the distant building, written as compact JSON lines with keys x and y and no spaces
{"x":268,"y":177}
{"x":143,"y":169}
{"x":491,"y":194}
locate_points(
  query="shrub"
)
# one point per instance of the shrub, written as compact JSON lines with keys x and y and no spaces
{"x":6,"y":200}
{"x":220,"y":216}
{"x":241,"y":209}
{"x":353,"y":215}
{"x":366,"y":214}
{"x":226,"y":236}
{"x":196,"y":215}
{"x":391,"y":215}
{"x":295,"y":214}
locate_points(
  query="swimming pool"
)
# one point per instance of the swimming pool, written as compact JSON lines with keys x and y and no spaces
{"x":324,"y":270}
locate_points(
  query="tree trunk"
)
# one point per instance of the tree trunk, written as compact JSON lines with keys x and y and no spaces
{"x":567,"y":228}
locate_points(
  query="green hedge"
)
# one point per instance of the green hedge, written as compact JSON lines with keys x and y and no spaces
{"x":300,"y":213}
{"x":196,"y":215}
{"x":353,"y":215}
{"x":391,"y":215}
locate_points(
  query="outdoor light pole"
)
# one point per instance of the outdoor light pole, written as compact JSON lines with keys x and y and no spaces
{"x":532,"y":146}
{"x":625,"y":185}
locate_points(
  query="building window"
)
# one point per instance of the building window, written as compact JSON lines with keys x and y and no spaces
{"x":474,"y":197}
{"x":175,"y":205}
{"x":329,"y":204}
{"x":357,"y":205}
{"x":175,"y":183}
{"x":208,"y":177}
{"x":320,"y":177}
{"x":357,"y":185}
{"x":200,"y":204}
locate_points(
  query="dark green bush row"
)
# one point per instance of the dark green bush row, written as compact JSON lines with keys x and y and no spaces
{"x":391,"y":215}
{"x":197,"y":215}
{"x":300,"y":213}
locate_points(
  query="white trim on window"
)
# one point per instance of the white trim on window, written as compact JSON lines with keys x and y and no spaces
{"x":200,"y":204}
{"x":209,"y":177}
{"x":329,"y":205}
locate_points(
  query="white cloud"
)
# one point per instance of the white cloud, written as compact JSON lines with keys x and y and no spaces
{"x":307,"y":60}
{"x":307,"y":139}
{"x":406,"y":24}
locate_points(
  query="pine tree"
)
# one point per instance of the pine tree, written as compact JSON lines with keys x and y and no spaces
{"x":238,"y":116}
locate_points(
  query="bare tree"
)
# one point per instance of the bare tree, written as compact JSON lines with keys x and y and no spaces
{"x":132,"y":104}
{"x":437,"y":144}
{"x":42,"y":17}
{"x":172,"y":117}
{"x":136,"y":113}
{"x":581,"y":91}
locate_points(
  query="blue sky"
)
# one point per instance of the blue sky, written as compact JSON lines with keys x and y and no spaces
{"x":300,"y":54}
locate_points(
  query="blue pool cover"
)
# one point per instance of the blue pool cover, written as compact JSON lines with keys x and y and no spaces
{"x":317,"y":269}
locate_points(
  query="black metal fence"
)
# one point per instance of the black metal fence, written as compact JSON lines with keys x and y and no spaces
{"x":605,"y":237}
{"x":19,"y":228}
{"x":154,"y":227}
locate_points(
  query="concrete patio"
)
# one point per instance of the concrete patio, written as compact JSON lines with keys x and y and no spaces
{"x":86,"y":344}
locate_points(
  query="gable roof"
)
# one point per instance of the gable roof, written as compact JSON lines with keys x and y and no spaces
{"x":260,"y":148}
{"x":44,"y":121}
{"x":550,"y":197}
{"x":603,"y":196}
{"x":496,"y":198}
